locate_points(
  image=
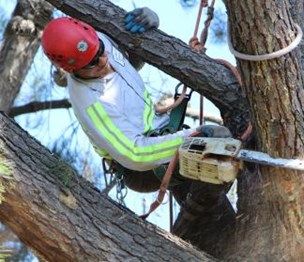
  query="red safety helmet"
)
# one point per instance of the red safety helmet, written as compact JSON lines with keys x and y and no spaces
{"x":69,"y":43}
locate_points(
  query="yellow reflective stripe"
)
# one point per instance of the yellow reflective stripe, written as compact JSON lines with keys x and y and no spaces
{"x":148,"y":113}
{"x":124,"y":151}
{"x":126,"y":147}
{"x":100,"y":152}
{"x":127,"y":142}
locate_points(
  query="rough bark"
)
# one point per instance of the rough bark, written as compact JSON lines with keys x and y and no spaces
{"x":73,"y":221}
{"x":21,"y":42}
{"x":25,"y":232}
{"x":297,"y":12}
{"x":203,"y":74}
{"x":19,"y":45}
{"x":270,"y":223}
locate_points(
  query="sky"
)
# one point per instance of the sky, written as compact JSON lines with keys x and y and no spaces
{"x":175,"y":20}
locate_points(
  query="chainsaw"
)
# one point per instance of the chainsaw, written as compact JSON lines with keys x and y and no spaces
{"x":218,"y":160}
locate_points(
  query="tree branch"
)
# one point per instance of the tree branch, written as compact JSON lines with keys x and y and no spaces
{"x":198,"y":71}
{"x":37,"y":106}
{"x":21,"y":41}
{"x":75,"y":221}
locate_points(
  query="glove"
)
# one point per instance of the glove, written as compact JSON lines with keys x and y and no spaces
{"x":140,"y":20}
{"x":213,"y":131}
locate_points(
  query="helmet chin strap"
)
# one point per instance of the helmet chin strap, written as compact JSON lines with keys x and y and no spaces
{"x":84,"y":78}
{"x":95,"y":77}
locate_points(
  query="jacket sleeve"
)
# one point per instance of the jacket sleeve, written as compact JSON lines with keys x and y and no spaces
{"x":111,"y":131}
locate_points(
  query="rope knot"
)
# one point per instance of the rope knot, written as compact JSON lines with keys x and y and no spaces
{"x":196,"y":45}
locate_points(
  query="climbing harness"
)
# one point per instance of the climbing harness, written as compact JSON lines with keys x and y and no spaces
{"x":198,"y":46}
{"x":115,"y":178}
{"x":178,"y":111}
{"x":195,"y":44}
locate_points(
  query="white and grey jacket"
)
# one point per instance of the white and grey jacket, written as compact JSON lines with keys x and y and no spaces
{"x":117,"y":113}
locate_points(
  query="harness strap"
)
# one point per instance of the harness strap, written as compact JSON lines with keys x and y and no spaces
{"x":177,"y":117}
{"x":165,"y":182}
{"x":178,"y":113}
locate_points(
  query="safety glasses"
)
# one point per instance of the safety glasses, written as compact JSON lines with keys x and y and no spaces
{"x":95,"y":59}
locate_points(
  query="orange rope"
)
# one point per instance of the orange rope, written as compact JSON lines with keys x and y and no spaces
{"x":199,"y":46}
{"x":175,"y":104}
{"x":166,"y":179}
{"x":165,"y":182}
{"x":195,"y":44}
{"x":203,"y":4}
{"x":204,"y":33}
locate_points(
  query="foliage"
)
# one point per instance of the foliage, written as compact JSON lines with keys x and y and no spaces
{"x":3,"y":257}
{"x":218,"y":32}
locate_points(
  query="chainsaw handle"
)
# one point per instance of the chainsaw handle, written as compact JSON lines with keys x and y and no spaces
{"x":210,"y":145}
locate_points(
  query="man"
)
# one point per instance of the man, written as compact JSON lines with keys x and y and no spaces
{"x":110,"y":100}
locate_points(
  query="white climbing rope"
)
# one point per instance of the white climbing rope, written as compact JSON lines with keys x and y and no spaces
{"x":273,"y":55}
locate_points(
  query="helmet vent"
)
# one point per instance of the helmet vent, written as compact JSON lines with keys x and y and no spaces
{"x":59,"y":58}
{"x":75,"y":49}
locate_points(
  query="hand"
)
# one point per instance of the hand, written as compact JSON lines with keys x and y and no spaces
{"x":213,"y":131}
{"x":140,"y":20}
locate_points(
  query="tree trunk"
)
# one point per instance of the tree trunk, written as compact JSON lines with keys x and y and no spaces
{"x":232,"y":96}
{"x":205,"y":76}
{"x":64,"y":218}
{"x":21,"y":42}
{"x":270,"y":225}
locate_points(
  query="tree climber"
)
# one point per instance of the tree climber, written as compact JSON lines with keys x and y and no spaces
{"x":111,"y":102}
